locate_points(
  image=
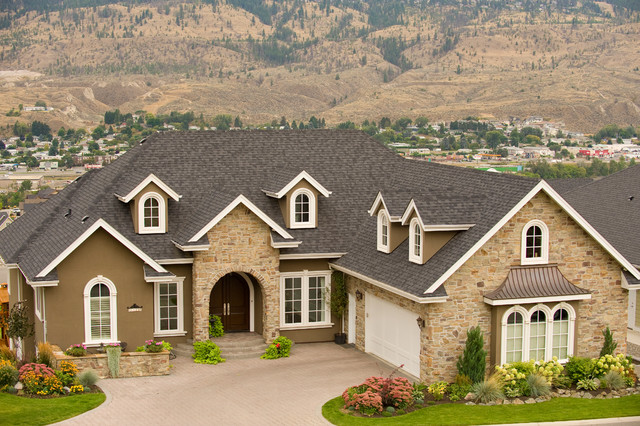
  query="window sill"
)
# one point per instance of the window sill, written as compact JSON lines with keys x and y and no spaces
{"x":105,"y":343}
{"x":306,"y":326}
{"x":170,"y":334}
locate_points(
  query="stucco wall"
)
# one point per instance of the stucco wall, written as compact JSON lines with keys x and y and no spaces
{"x":240,"y":242}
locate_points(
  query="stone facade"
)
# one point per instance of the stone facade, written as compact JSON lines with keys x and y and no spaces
{"x":578,"y":256}
{"x":132,"y":364}
{"x":240,"y":242}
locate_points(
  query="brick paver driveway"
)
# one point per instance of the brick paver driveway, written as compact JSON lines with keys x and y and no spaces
{"x":287,"y":391}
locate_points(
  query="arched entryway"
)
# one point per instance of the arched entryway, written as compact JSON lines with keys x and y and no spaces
{"x":235,"y":298}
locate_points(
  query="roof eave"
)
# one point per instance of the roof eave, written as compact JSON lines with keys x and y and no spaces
{"x":542,"y":299}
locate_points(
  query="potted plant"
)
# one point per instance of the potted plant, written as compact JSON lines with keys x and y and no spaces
{"x":339,"y":301}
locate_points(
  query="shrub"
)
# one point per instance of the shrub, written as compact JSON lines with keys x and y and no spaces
{"x":587,"y":384}
{"x":458,"y":392}
{"x":7,"y":354}
{"x":215,"y":326}
{"x":39,"y":379}
{"x":579,"y":368}
{"x":488,"y":390}
{"x":549,"y":369}
{"x":280,"y":348}
{"x":167,"y":346}
{"x":152,"y":346}
{"x":368,"y":402}
{"x":400,"y":393}
{"x":609,"y":345}
{"x":538,"y":385}
{"x":8,"y":375}
{"x":206,"y":352}
{"x":45,"y":354}
{"x":88,"y":378}
{"x":613,"y":380}
{"x":418,"y":391}
{"x":562,"y":382}
{"x":76,"y":350}
{"x":67,"y":373}
{"x":472,"y":362}
{"x":607,"y":363}
{"x":438,"y":389}
{"x":514,"y":378}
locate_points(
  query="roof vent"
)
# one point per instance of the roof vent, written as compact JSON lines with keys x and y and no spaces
{"x":68,"y":213}
{"x":84,"y":219}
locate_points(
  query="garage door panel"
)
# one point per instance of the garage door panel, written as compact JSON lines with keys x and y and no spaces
{"x":392,"y":334}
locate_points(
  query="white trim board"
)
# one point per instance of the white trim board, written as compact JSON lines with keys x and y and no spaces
{"x":439,"y":299}
{"x":302,"y":175}
{"x":545,"y":299}
{"x":149,"y":179}
{"x":241,"y":199}
{"x":432,"y":228}
{"x":376,"y":203}
{"x":297,"y":256}
{"x":100,"y":223}
{"x":541,"y":186}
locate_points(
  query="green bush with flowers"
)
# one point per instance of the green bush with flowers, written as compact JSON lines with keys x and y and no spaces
{"x":67,"y":373}
{"x":606,"y":363}
{"x":438,"y":390}
{"x":279,"y":348}
{"x":38,"y":379}
{"x":76,"y":350}
{"x":153,"y":346}
{"x":375,"y":393}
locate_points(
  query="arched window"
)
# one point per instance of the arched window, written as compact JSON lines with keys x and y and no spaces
{"x":383,"y":232}
{"x":415,"y":241}
{"x":560,"y":334}
{"x":535,"y":243}
{"x":303,"y":209}
{"x":152,"y":214}
{"x":514,"y":337}
{"x":537,"y":335}
{"x":100,"y":311}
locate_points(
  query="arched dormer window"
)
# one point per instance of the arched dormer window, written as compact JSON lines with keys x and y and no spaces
{"x":535,"y":243}
{"x":303,"y":209}
{"x":415,"y":241}
{"x":100,"y":311}
{"x":383,"y":232}
{"x":152,"y":214}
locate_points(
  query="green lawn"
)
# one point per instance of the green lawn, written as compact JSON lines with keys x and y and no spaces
{"x":17,"y":410}
{"x":557,"y":409}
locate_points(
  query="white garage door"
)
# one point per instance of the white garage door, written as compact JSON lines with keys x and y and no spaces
{"x":392,"y":333}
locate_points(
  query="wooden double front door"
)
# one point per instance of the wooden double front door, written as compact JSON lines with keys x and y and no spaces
{"x":230,"y":301}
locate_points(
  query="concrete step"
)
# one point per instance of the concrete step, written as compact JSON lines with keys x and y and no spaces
{"x":183,"y":350}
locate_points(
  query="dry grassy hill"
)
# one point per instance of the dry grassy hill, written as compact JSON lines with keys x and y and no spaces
{"x":579,"y":69}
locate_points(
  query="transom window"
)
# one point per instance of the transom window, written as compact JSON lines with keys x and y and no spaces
{"x":304,"y":299}
{"x":152,"y":214}
{"x":383,"y":232}
{"x":302,"y":209}
{"x":168,"y":309}
{"x":415,"y":241}
{"x":535,"y":243}
{"x":100,"y":311}
{"x":538,"y":334}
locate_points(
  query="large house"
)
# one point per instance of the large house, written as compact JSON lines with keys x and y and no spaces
{"x":249,"y":225}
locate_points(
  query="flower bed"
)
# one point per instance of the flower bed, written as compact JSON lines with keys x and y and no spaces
{"x":132,"y":364}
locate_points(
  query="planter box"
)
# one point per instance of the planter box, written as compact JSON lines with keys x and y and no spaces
{"x":132,"y":364}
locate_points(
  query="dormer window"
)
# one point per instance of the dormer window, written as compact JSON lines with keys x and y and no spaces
{"x":535,"y":243}
{"x":383,"y":232}
{"x":415,"y":241}
{"x":303,"y":209}
{"x":151,"y":214}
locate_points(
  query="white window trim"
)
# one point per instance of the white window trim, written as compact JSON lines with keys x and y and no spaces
{"x":383,"y":219}
{"x":544,"y":258}
{"x":526,"y":333}
{"x":631,"y":322}
{"x":156,"y":310}
{"x":412,"y":233}
{"x":312,"y":210}
{"x":162,"y":215}
{"x":38,"y":299}
{"x":113,"y":309}
{"x":305,"y":275}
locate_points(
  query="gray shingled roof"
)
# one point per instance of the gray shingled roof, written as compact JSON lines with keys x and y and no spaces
{"x":612,"y":206}
{"x":210,"y":169}
{"x":526,"y":282}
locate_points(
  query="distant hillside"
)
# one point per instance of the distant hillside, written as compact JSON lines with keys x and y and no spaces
{"x":565,"y":60}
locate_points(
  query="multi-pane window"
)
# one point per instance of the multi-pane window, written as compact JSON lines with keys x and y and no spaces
{"x":151,"y":213}
{"x":514,"y":337}
{"x":302,"y":214}
{"x":537,"y":335}
{"x":168,"y":305}
{"x":304,"y":299}
{"x":534,"y":242}
{"x":417,"y":240}
{"x":561,"y":334}
{"x":100,"y":312}
{"x":383,"y":232}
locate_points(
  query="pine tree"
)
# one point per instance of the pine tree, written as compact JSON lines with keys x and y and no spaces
{"x":609,"y":345}
{"x":472,"y":362}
